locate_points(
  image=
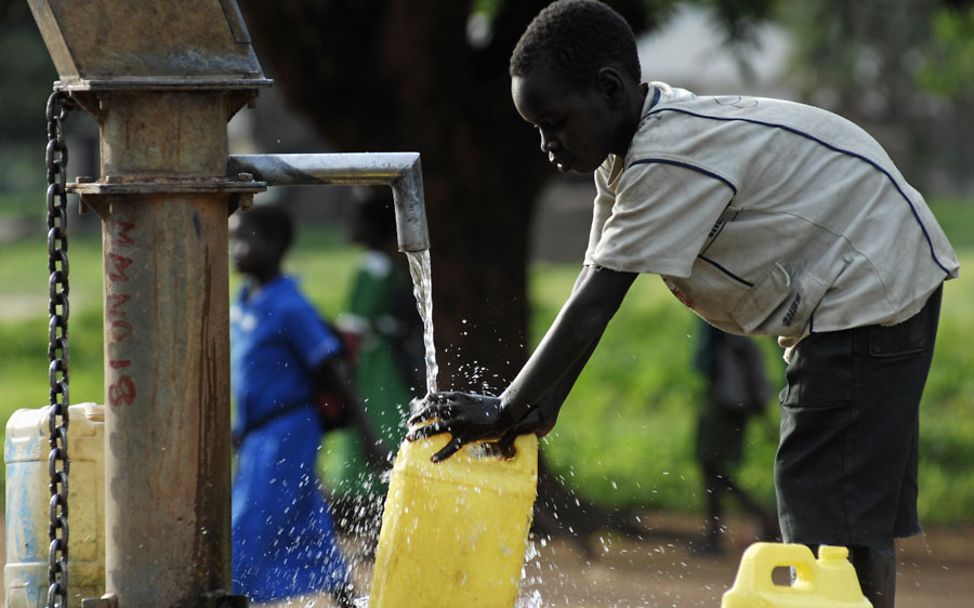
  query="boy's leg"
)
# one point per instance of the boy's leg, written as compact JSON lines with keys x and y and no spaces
{"x":846,"y":468}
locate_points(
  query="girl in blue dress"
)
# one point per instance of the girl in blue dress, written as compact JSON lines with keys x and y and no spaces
{"x":282,"y":353}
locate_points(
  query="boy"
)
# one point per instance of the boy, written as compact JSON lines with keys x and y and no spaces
{"x":284,"y":543}
{"x":764,"y":217}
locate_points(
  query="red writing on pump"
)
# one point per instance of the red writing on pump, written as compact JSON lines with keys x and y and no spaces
{"x":122,"y":389}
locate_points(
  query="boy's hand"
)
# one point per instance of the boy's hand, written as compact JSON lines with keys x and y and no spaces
{"x":468,"y":417}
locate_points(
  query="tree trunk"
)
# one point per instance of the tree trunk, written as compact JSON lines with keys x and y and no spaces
{"x":399,"y":75}
{"x":391,"y":75}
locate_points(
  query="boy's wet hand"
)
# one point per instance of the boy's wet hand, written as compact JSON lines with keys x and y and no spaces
{"x":468,"y":417}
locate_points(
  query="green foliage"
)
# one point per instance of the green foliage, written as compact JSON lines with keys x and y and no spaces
{"x":488,"y":8}
{"x":625,"y":436}
{"x":949,"y":69}
{"x":25,"y":79}
{"x":319,"y":257}
{"x":741,"y":17}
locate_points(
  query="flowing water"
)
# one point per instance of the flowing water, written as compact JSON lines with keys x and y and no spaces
{"x":419,"y":268}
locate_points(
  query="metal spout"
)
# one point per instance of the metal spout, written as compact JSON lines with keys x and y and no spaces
{"x":400,"y":170}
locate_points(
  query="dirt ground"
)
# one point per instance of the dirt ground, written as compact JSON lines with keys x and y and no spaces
{"x":935,"y":571}
{"x":661,"y":571}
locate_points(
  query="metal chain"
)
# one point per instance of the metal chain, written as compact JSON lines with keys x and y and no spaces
{"x":58,"y":106}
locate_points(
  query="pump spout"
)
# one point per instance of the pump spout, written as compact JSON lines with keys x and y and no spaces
{"x":399,"y":170}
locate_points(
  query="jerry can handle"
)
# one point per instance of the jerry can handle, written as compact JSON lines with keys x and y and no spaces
{"x":758,"y":564}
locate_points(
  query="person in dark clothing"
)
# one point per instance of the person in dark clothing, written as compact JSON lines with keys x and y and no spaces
{"x":737,"y":389}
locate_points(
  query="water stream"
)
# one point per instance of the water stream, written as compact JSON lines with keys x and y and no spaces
{"x":419,"y":268}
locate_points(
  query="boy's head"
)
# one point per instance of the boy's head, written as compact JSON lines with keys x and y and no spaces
{"x":575,"y":76}
{"x":259,"y":238}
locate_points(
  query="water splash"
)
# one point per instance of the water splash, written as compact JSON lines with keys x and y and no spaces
{"x":531,"y":598}
{"x":419,"y":268}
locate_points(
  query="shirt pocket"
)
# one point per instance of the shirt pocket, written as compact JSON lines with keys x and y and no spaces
{"x":759,"y":303}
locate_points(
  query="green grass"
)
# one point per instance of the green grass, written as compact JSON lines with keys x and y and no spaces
{"x":319,"y":257}
{"x":625,"y":436}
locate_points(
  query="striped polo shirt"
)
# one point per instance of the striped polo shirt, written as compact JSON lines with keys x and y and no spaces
{"x":767,"y":217}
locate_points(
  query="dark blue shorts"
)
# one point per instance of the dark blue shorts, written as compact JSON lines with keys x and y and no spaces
{"x":846,"y":468}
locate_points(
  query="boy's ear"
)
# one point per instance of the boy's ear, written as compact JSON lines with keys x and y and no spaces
{"x":610,"y":83}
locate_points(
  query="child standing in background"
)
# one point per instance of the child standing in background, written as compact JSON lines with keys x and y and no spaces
{"x":382,"y":324}
{"x":284,"y":543}
{"x":736,"y":390}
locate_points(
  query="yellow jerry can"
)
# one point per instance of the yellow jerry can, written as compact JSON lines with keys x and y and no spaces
{"x":827,"y":582}
{"x":455,"y":533}
{"x":28,"y":496}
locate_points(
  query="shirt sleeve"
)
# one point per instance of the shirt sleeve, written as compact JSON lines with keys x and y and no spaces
{"x":311,"y":338}
{"x":661,"y":215}
{"x":601,"y":211}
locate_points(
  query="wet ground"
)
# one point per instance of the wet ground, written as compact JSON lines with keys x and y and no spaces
{"x":662,"y":571}
{"x":936,"y":571}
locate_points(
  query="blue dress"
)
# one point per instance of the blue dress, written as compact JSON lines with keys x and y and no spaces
{"x":284,"y":542}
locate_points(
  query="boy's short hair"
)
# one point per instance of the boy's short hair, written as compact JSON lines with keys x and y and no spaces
{"x":577,"y":38}
{"x":273,"y":222}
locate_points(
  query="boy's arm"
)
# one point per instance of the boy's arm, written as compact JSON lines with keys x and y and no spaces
{"x":571,"y":339}
{"x":542,"y":418}
{"x":542,"y":384}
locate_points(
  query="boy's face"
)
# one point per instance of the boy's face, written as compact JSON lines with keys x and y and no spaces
{"x":577,"y":125}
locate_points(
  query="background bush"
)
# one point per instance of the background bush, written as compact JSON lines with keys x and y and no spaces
{"x":625,"y":436}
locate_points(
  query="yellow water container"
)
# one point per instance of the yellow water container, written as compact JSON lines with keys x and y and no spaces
{"x":455,"y":533}
{"x":28,"y":496}
{"x":827,"y":582}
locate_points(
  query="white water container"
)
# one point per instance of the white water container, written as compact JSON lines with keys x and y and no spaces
{"x":28,"y":495}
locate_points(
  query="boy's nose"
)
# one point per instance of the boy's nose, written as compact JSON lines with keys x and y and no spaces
{"x":547,"y":143}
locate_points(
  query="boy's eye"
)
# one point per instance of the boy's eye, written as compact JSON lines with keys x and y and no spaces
{"x":549,"y":125}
